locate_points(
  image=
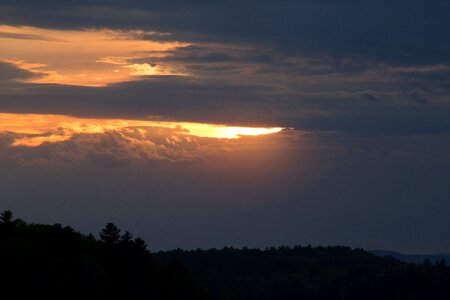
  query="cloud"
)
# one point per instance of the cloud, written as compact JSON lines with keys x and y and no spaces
{"x":356,"y":67}
{"x":109,"y":149}
{"x":15,"y":36}
{"x":151,"y":70}
{"x":380,"y":30}
{"x":131,"y":146}
{"x":256,"y":98}
{"x":10,"y":75}
{"x":83,"y":57}
{"x":61,"y":140}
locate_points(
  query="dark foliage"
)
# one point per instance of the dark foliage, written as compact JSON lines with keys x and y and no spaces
{"x":310,"y":273}
{"x":53,"y":261}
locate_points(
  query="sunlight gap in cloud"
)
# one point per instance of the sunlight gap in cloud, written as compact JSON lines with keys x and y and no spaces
{"x":32,"y":130}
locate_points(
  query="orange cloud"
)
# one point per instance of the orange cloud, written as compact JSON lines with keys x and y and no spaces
{"x":58,"y":140}
{"x":85,"y":58}
{"x":32,"y":130}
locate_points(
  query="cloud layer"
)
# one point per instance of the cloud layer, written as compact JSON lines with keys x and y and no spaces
{"x":350,"y":66}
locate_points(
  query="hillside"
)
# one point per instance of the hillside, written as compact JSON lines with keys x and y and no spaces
{"x":57,"y":261}
{"x":311,"y":273}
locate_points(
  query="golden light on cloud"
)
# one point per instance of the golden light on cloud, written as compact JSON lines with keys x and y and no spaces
{"x":85,"y":58}
{"x":32,"y":130}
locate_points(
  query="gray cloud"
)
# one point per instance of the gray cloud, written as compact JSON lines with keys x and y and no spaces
{"x":386,"y":30}
{"x":114,"y":148}
{"x":9,"y":35}
{"x":10,"y":74}
{"x":256,"y":95}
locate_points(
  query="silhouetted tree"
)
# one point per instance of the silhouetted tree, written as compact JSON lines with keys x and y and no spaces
{"x":6,"y":217}
{"x":110,"y":234}
{"x":140,"y":245}
{"x":7,"y":225}
{"x":54,"y":261}
{"x":126,"y":237}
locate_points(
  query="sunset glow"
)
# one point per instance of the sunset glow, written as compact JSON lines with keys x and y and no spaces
{"x":86,"y":58}
{"x":32,"y":130}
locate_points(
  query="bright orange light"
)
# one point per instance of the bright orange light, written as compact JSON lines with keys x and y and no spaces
{"x":227,"y":132}
{"x":33,"y":130}
{"x":85,"y":57}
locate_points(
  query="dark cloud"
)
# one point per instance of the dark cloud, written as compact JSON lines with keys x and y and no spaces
{"x":372,"y":104}
{"x":10,"y":75}
{"x":9,"y":35}
{"x":393,"y":31}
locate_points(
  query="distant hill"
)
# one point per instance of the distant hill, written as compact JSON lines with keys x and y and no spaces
{"x":415,"y":259}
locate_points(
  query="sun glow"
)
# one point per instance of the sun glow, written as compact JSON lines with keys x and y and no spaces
{"x":32,"y":130}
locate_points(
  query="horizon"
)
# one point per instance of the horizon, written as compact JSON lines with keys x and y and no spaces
{"x":97,"y":236}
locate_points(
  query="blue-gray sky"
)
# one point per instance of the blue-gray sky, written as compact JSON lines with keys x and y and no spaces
{"x":362,"y":88}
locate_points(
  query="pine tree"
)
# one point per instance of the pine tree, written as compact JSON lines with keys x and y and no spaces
{"x":110,"y":234}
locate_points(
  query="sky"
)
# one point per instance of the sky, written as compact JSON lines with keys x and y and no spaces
{"x":199,"y":124}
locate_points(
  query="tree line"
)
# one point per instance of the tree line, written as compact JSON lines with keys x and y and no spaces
{"x":57,"y":261}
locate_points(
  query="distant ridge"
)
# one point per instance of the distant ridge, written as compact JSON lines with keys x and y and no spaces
{"x":414,"y":258}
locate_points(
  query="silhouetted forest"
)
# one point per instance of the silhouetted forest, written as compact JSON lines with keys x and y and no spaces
{"x":55,"y":261}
